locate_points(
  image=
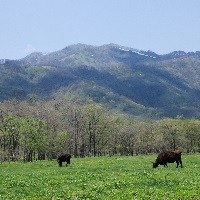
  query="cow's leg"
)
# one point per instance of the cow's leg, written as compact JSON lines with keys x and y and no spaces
{"x":177,"y":162}
{"x":66,"y":164}
{"x":60,"y":164}
{"x":165,"y":165}
{"x":181,"y":163}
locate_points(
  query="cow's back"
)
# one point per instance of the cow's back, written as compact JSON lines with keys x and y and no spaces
{"x":169,"y":156}
{"x":64,"y":157}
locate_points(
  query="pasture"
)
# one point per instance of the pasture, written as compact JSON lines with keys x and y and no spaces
{"x":116,"y":178}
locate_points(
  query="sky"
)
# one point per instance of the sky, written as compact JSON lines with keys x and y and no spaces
{"x":161,"y":26}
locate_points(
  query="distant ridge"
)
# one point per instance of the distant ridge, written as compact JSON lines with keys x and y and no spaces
{"x":124,"y":79}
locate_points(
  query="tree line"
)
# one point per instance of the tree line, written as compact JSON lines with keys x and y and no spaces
{"x":40,"y":129}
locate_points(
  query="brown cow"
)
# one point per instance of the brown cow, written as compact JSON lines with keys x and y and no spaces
{"x":64,"y":158}
{"x":168,"y":157}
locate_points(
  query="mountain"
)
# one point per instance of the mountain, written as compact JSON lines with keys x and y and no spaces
{"x":125,"y":80}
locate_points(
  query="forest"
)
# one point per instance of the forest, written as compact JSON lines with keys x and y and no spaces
{"x":35,"y":129}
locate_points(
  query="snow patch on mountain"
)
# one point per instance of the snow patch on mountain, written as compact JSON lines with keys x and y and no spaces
{"x":137,"y":52}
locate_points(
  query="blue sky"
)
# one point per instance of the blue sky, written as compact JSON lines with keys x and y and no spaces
{"x":161,"y":26}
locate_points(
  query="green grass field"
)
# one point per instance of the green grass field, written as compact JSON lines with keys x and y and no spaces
{"x":101,"y":178}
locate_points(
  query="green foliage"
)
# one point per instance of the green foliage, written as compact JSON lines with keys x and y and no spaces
{"x":36,"y":73}
{"x":33,"y":134}
{"x":101,"y":178}
{"x":56,"y":126}
{"x":9,"y":134}
{"x":192,"y":134}
{"x":61,"y":142}
{"x":21,"y":134}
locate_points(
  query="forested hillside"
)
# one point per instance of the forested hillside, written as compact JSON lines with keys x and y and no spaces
{"x":125,"y":80}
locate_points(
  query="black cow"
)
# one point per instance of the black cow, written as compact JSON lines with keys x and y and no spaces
{"x":64,"y":158}
{"x":168,"y":157}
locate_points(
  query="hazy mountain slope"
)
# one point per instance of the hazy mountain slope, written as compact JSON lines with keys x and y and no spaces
{"x":124,"y":79}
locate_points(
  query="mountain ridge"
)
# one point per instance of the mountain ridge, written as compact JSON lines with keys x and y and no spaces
{"x":167,"y":84}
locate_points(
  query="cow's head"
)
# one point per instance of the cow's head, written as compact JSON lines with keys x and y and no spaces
{"x":155,"y":165}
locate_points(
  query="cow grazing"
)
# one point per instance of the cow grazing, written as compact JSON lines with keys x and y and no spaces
{"x":64,"y":158}
{"x":168,"y":157}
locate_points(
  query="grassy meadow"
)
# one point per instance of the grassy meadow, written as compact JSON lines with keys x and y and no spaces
{"x":116,"y":178}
